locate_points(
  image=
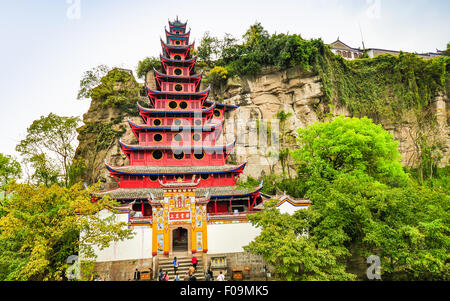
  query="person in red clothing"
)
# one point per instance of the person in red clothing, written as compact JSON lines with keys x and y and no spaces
{"x":194,"y":262}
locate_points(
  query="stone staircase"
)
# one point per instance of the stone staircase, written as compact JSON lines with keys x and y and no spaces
{"x":183,"y":267}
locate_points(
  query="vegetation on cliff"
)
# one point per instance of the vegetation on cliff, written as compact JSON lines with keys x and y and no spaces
{"x":387,"y":89}
{"x":384,"y":86}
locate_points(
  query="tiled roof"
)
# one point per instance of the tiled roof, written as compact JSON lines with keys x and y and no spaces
{"x":161,"y":170}
{"x":143,"y":193}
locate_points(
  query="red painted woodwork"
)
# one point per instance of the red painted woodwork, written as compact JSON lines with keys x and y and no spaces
{"x":178,"y":111}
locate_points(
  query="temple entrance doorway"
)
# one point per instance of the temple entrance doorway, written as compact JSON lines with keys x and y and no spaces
{"x":179,"y":240}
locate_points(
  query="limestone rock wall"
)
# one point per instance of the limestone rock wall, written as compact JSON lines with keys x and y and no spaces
{"x":259,"y":98}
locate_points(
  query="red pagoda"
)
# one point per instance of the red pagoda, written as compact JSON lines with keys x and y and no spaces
{"x":178,"y":180}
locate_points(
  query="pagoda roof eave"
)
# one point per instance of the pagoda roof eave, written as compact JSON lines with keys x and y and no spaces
{"x":182,"y":47}
{"x":131,"y":194}
{"x":163,"y":58}
{"x":174,"y":170}
{"x":184,"y":35}
{"x":129,"y":147}
{"x":196,"y":76}
{"x":150,"y":91}
{"x":156,"y":111}
{"x":177,"y":23}
{"x":176,"y":128}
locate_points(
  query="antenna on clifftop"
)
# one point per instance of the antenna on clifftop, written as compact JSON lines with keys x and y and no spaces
{"x":362,"y":38}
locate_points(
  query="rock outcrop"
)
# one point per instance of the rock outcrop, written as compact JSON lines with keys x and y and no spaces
{"x":299,"y":94}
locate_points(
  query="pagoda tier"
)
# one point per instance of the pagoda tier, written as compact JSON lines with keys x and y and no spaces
{"x":155,"y":135}
{"x":176,"y":117}
{"x":176,"y":97}
{"x":172,"y":50}
{"x":177,"y":34}
{"x":177,"y":154}
{"x":168,"y":83}
{"x":177,"y":27}
{"x":148,"y":176}
{"x":177,"y":39}
{"x":176,"y":65}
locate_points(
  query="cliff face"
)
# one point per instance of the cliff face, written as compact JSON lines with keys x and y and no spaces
{"x":259,"y":98}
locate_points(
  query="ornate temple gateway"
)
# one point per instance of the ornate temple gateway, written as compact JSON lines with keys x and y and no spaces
{"x":178,"y":192}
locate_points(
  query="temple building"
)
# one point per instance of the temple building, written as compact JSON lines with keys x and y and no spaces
{"x":178,"y":192}
{"x":350,"y":53}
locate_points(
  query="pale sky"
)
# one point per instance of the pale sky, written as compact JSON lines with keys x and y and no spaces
{"x":46,"y":45}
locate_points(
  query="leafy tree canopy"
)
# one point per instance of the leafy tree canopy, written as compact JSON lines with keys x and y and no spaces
{"x":90,"y":80}
{"x":40,"y":227}
{"x":147,"y":65}
{"x":362,"y":204}
{"x":348,"y":145}
{"x":50,"y":147}
{"x":10,"y":170}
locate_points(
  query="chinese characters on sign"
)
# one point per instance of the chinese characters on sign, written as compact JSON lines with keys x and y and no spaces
{"x":179,"y":216}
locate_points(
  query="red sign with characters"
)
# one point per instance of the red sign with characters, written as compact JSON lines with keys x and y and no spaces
{"x":181,"y":215}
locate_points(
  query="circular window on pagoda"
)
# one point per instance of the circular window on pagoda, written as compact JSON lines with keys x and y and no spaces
{"x":199,"y":156}
{"x":178,"y":137}
{"x":198,"y":122}
{"x":157,"y":137}
{"x":157,"y":155}
{"x":173,"y":104}
{"x":177,"y":57}
{"x":153,"y":178}
{"x":179,"y":156}
{"x":205,"y":176}
{"x":196,"y":137}
{"x":177,"y":42}
{"x":157,"y":122}
{"x":183,"y":105}
{"x":178,"y":88}
{"x":177,"y":122}
{"x":217,"y":113}
{"x":178,"y":71}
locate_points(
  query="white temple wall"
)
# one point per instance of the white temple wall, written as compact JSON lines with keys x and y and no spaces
{"x":138,"y":247}
{"x":230,"y":238}
{"x":286,"y":207}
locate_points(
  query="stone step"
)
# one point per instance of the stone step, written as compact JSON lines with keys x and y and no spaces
{"x":184,"y":263}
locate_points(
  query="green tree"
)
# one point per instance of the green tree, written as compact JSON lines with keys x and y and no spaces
{"x":10,"y":170}
{"x":362,"y":204}
{"x":208,"y":48}
{"x":346,"y":145}
{"x":447,"y":51}
{"x":50,"y":146}
{"x":41,"y":227}
{"x":295,"y":255}
{"x":255,"y":35}
{"x":216,"y":77}
{"x":147,"y":65}
{"x":90,"y":80}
